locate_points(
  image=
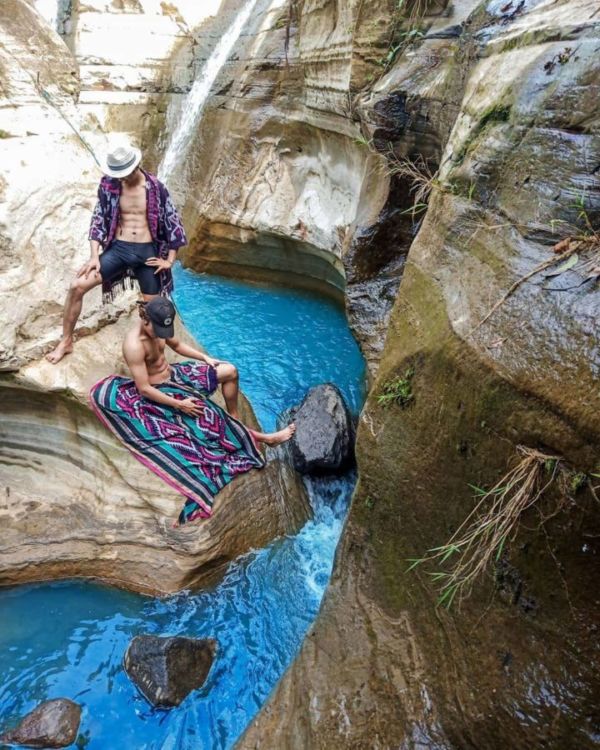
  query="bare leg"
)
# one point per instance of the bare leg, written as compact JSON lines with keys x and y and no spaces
{"x":79,"y":287}
{"x":227,"y":375}
{"x":274,"y":438}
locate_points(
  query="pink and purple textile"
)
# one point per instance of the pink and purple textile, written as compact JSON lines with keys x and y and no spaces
{"x":163,"y":221}
{"x":197,"y":456}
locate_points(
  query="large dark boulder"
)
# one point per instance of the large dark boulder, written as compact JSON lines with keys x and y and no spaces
{"x":324,"y":438}
{"x":166,"y":670}
{"x":53,"y":723}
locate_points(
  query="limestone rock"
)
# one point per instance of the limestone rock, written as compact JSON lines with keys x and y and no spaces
{"x":74,"y":502}
{"x":53,"y":723}
{"x":282,"y":115}
{"x":90,"y":509}
{"x":512,"y":118}
{"x":166,"y":670}
{"x":324,"y":438}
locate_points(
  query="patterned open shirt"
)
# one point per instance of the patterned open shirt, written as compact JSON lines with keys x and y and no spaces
{"x":163,"y":221}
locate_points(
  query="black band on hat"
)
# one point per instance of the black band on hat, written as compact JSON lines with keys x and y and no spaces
{"x":122,"y":166}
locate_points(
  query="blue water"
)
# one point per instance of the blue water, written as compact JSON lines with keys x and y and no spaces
{"x":282,"y":341}
{"x":68,"y":639}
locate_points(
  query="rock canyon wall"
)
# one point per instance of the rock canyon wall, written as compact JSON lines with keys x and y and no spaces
{"x":300,"y":171}
{"x":503,"y":98}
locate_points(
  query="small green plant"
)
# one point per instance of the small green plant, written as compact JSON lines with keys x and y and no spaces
{"x":4,"y":133}
{"x":406,"y":39}
{"x":578,"y":480}
{"x":361,"y":140}
{"x":398,"y":390}
{"x":562,"y":58}
{"x":369,"y":502}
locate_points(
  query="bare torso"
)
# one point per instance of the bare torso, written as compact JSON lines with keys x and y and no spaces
{"x":133,"y":221}
{"x":157,"y":366}
{"x":159,"y":369}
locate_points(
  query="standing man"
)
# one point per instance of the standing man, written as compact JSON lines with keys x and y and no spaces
{"x":138,"y":230}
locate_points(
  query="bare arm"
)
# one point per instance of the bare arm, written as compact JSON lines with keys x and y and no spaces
{"x":134,"y":356}
{"x":188,"y":351}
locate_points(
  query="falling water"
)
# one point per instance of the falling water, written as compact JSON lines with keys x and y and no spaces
{"x":49,"y":10}
{"x":196,"y":99}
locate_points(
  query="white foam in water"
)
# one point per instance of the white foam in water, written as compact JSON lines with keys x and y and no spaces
{"x":196,"y":99}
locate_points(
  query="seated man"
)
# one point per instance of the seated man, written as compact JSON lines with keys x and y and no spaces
{"x":164,"y":415}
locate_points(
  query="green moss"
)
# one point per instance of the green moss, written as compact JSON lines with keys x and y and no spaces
{"x":511,"y":44}
{"x":494,"y":114}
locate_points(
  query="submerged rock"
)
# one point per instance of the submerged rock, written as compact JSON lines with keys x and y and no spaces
{"x":324,"y":438}
{"x":53,"y":723}
{"x":166,"y":670}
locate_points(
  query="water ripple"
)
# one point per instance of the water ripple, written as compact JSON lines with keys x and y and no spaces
{"x":68,"y":639}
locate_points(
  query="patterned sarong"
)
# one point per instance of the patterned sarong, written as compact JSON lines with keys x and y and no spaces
{"x":197,"y":456}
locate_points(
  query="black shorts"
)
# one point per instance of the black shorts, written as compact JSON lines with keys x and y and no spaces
{"x":123,"y":255}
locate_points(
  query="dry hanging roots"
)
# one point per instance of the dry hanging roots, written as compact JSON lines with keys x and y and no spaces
{"x":563,"y":250}
{"x":482,"y":536}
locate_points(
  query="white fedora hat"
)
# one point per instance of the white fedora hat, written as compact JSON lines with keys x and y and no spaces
{"x":122,"y":161}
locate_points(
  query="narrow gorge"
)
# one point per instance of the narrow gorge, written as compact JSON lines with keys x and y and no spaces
{"x":418,"y":177}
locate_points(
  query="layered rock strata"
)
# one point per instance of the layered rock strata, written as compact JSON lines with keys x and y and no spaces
{"x":278,"y":182}
{"x":75,"y":502}
{"x":516,"y":664}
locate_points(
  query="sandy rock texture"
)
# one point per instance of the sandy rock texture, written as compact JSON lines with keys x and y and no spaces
{"x":76,"y":503}
{"x":504,"y":100}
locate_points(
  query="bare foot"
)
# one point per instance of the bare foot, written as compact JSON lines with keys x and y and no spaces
{"x":276,"y":438}
{"x":63,"y":348}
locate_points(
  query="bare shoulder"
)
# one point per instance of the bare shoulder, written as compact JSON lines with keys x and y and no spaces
{"x":133,"y":347}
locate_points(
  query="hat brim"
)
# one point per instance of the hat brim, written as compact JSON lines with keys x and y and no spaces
{"x":112,"y":172}
{"x":163,"y":332}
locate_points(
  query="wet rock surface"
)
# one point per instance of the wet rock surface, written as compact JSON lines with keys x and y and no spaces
{"x":166,"y":670}
{"x":517,"y":136}
{"x":52,"y":724}
{"x":324,"y":438}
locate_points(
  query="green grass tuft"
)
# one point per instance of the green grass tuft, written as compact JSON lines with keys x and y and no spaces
{"x":398,"y":390}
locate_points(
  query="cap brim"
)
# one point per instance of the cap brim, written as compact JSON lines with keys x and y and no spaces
{"x":163,"y":332}
{"x":124,"y":172}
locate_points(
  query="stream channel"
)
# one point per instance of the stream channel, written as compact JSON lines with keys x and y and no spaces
{"x":67,"y":639}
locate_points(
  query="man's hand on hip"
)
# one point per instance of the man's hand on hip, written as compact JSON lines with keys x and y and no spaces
{"x":160,"y":264}
{"x":92,"y":265}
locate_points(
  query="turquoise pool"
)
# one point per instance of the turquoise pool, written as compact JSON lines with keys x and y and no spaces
{"x":68,"y":639}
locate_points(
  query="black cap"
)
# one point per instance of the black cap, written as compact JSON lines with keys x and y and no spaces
{"x":161,"y":312}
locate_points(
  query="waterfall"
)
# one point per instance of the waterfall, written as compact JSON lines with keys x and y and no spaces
{"x":196,"y":99}
{"x":49,"y":10}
